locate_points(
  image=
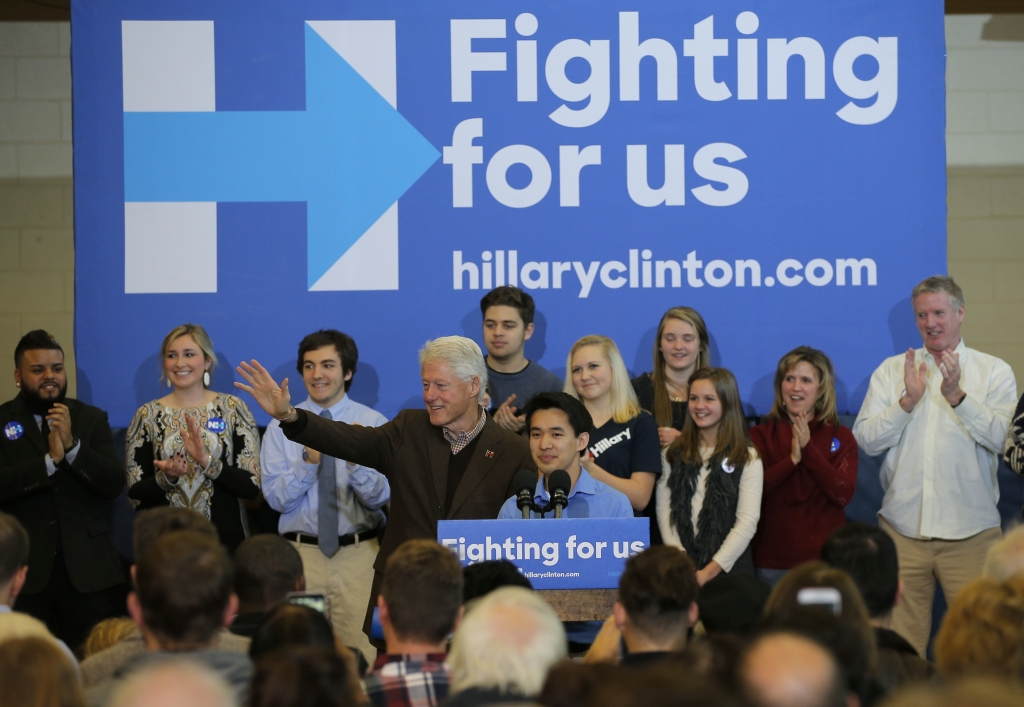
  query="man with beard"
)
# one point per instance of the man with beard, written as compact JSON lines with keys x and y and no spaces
{"x":58,"y":473}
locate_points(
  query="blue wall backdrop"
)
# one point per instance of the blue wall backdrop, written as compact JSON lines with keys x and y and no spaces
{"x":268,"y":168}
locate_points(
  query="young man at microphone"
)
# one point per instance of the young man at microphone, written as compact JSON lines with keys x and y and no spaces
{"x":559,"y":430}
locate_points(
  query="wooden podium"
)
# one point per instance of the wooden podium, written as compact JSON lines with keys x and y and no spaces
{"x":580,"y":604}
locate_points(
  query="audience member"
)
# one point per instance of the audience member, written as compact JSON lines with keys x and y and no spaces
{"x":785,"y":669}
{"x":420,"y":605}
{"x":512,"y":379}
{"x":983,"y":630}
{"x":14,"y":557}
{"x":34,"y":672}
{"x":107,"y":633}
{"x":559,"y":429}
{"x":304,"y":677}
{"x":267,"y":568}
{"x":292,"y":626}
{"x":174,"y":683}
{"x":573,"y":684}
{"x":1006,"y":556}
{"x":481,"y":578}
{"x":194,"y":448}
{"x":680,"y":348}
{"x":183,"y":596}
{"x":660,"y":686}
{"x":710,"y":496}
{"x":450,"y":461}
{"x":504,"y":648}
{"x":733,"y":604}
{"x":1014,"y":453}
{"x":150,"y":526}
{"x":624,"y":448}
{"x":656,"y":608}
{"x":810,"y":465}
{"x":59,"y":471}
{"x":940,"y":415}
{"x":868,"y":555}
{"x":968,"y":692}
{"x":338,"y":538}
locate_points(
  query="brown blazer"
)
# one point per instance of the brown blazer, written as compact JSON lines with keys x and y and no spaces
{"x":413,"y":455}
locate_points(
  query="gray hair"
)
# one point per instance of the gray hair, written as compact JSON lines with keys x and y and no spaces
{"x":1005,"y":558}
{"x":508,"y":641}
{"x":462,"y":355}
{"x":940,"y":283}
{"x":179,"y":680}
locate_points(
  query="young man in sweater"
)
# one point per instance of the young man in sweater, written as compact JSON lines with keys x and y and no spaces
{"x":513,"y":380}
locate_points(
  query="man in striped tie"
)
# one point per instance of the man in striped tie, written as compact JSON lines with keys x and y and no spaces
{"x":330,"y":508}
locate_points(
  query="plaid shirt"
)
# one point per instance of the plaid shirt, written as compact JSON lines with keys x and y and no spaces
{"x":459,"y":440}
{"x":419,"y":680}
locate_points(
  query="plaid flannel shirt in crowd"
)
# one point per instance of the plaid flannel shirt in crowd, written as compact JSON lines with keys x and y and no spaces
{"x":419,"y":680}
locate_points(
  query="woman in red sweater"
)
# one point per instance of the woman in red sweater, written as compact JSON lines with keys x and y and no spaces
{"x":810,"y":465}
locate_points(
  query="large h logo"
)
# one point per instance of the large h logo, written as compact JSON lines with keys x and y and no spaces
{"x":349,"y":156}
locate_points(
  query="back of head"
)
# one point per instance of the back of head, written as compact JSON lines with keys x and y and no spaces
{"x":267,"y":567}
{"x":571,"y":684}
{"x":34,"y":672}
{"x":154,"y":523}
{"x":733,"y":604}
{"x":663,"y":685}
{"x":482,"y":578}
{"x":508,"y":641}
{"x":983,"y":630}
{"x":184,"y":584}
{"x":303,"y":677}
{"x":1005,"y":558}
{"x":868,"y":555}
{"x":786,"y":669}
{"x":423,"y":590}
{"x":967,"y":692}
{"x":174,"y":684}
{"x":657,"y":589}
{"x":14,"y":546}
{"x":107,"y":633}
{"x":291,"y":626}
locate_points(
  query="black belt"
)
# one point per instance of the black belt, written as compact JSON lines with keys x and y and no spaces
{"x":343,"y":540}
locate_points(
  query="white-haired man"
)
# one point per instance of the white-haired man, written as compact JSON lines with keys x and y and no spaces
{"x":450,"y":461}
{"x":939,"y":414}
{"x":503,"y":648}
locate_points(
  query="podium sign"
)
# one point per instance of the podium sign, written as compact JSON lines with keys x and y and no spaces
{"x":569,"y":553}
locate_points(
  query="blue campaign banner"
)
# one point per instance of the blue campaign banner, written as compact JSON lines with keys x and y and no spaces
{"x":272,"y":167}
{"x":568,"y":553}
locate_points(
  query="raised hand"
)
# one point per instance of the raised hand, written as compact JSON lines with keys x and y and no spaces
{"x":194,"y":445}
{"x":273,"y":398}
{"x":173,"y":468}
{"x":506,"y":416}
{"x":667,"y":435}
{"x":59,"y":418}
{"x":914,"y":381}
{"x":949,"y":366}
{"x":801,"y":435}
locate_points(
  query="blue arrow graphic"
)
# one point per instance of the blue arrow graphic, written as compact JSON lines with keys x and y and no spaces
{"x":349,"y":156}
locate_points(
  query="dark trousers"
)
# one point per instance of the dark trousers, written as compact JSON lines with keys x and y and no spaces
{"x":68,"y":613}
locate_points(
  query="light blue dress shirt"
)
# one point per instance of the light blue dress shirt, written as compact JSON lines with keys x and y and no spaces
{"x":290,"y":483}
{"x":589,"y":498}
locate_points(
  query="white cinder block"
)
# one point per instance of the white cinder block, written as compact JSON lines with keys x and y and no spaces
{"x":989,"y":150}
{"x":65,"y":121}
{"x":29,"y":121}
{"x":8,"y":161}
{"x":44,"y":78}
{"x":1006,"y":111}
{"x":168,"y":66}
{"x":967,"y":112}
{"x":29,"y":39}
{"x":64,"y":38}
{"x":988,"y":69}
{"x":47,"y":160}
{"x":8,"y":79}
{"x":965,"y":30}
{"x":170,"y":247}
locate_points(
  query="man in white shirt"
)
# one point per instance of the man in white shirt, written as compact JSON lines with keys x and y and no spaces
{"x":337,"y":541}
{"x":940,"y":415}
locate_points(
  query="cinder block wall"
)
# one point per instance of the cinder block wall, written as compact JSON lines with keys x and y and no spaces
{"x":37,"y":249}
{"x":985,"y":158}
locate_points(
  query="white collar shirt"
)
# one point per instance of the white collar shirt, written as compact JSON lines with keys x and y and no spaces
{"x":939,"y":471}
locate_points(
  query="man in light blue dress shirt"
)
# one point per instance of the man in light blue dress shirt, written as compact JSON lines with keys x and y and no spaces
{"x":337,"y":539}
{"x":559,"y":427}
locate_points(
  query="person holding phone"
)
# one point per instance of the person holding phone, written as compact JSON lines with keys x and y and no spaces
{"x":194,"y":448}
{"x":709,"y":496}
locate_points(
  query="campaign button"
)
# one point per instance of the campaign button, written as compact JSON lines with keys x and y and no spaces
{"x":13,"y":430}
{"x":216,"y":424}
{"x":835,"y":445}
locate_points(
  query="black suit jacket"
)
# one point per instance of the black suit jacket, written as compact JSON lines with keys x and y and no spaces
{"x":413,"y":455}
{"x":74,"y":502}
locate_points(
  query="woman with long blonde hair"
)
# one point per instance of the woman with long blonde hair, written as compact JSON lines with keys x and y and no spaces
{"x":709,"y":494}
{"x":624,"y":451}
{"x":810,"y":465}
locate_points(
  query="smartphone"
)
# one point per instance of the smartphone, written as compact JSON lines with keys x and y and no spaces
{"x":314,"y":600}
{"x":825,"y":597}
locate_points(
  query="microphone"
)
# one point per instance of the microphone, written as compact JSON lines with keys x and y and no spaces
{"x":559,"y":484}
{"x":524,"y":483}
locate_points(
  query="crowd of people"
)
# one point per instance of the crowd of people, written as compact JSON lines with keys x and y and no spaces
{"x":754,"y":589}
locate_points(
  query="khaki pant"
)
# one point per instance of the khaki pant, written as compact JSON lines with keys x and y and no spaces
{"x":953,"y":562}
{"x":345,"y":579}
